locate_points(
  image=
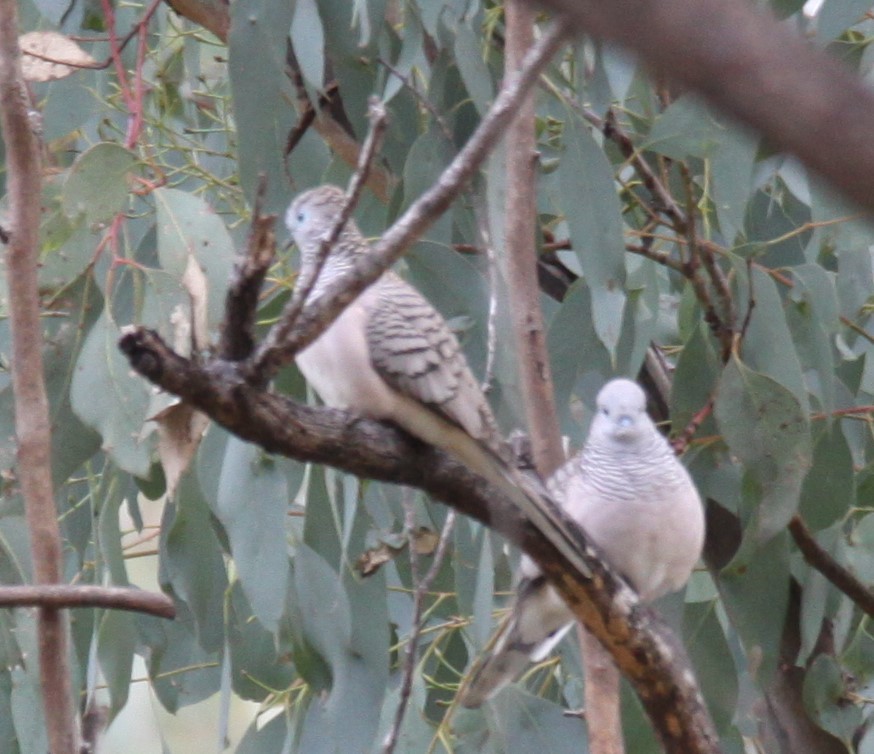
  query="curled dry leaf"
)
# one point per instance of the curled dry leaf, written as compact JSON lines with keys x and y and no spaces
{"x":180,"y":430}
{"x":196,"y":284}
{"x":48,"y":55}
{"x":373,"y":559}
{"x":423,"y":540}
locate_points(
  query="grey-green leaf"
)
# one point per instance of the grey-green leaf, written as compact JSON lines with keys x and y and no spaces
{"x":97,"y":185}
{"x":767,"y":429}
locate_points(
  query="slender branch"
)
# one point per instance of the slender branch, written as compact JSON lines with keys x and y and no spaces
{"x":492,"y":316}
{"x":59,"y":596}
{"x":651,"y":657}
{"x":535,"y":375}
{"x":681,"y":442}
{"x":32,"y":425}
{"x":271,"y":356}
{"x":520,"y":213}
{"x":423,"y":100}
{"x":662,"y":257}
{"x":418,"y":217}
{"x":664,"y":201}
{"x":421,"y":589}
{"x":329,"y":119}
{"x":841,"y":577}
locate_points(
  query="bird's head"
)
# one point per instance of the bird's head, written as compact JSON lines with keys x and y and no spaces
{"x":621,"y":416}
{"x":310,"y":216}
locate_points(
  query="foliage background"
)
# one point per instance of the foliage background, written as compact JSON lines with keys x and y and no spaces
{"x":153,"y":161}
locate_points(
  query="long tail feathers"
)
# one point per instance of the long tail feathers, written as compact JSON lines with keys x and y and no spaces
{"x":538,"y":621}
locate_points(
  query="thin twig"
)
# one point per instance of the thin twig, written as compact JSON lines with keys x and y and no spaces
{"x":492,"y":317}
{"x":280,"y":345}
{"x":839,"y":576}
{"x":751,"y":304}
{"x":421,"y":589}
{"x":664,"y":201}
{"x":662,"y":257}
{"x":423,"y":100}
{"x":287,"y":321}
{"x":681,"y":441}
{"x":328,"y":118}
{"x":58,"y":596}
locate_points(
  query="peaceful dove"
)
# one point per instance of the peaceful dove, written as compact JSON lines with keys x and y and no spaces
{"x":635,"y":501}
{"x":391,"y":356}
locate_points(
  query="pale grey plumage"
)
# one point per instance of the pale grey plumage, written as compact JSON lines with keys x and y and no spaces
{"x":635,"y":500}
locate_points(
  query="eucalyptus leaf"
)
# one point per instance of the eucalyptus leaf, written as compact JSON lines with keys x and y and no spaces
{"x":766,"y":428}
{"x":98,"y":183}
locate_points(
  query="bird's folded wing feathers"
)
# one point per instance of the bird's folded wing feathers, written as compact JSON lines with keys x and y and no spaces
{"x":538,"y":621}
{"x":414,"y":351}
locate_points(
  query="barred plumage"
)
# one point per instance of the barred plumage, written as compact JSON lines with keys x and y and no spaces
{"x":635,"y":500}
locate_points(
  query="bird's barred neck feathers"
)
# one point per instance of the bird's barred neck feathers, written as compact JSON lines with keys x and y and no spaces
{"x":310,"y":218}
{"x":620,"y":418}
{"x":623,"y":440}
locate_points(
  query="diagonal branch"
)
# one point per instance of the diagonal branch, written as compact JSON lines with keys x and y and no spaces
{"x":837,"y":574}
{"x":277,"y":349}
{"x":652,"y":659}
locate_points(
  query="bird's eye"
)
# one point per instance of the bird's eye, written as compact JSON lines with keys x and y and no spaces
{"x":605,"y":411}
{"x":300,"y":217}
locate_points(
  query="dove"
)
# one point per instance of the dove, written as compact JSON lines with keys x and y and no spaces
{"x":391,"y":356}
{"x":635,"y":500}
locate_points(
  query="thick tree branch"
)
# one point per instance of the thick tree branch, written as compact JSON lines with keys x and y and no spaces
{"x":747,"y":64}
{"x":652,"y":659}
{"x":277,"y":349}
{"x":32,"y":427}
{"x":59,"y":596}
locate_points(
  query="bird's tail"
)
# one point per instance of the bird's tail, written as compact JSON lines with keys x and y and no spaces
{"x":526,"y":491}
{"x":537,"y":622}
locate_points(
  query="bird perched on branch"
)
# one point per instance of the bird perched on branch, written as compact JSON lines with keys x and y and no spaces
{"x":635,"y":500}
{"x":391,"y":356}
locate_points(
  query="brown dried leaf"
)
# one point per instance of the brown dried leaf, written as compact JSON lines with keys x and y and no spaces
{"x":375,"y":558}
{"x":180,"y":430}
{"x":425,"y":540}
{"x":48,"y":55}
{"x":196,"y":284}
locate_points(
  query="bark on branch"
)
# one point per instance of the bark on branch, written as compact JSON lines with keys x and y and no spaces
{"x":32,"y":427}
{"x":59,"y":596}
{"x":645,"y":650}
